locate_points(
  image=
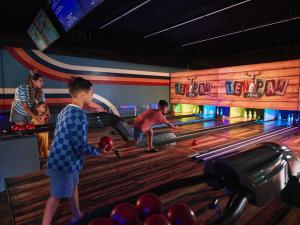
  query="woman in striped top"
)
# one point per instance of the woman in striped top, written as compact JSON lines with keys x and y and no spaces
{"x":25,"y":100}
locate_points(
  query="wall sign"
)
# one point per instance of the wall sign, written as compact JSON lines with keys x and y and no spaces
{"x":193,"y":89}
{"x":256,"y":88}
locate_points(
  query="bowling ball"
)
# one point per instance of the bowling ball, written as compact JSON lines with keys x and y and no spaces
{"x":46,"y":118}
{"x":157,"y":220}
{"x":125,"y":214}
{"x":14,"y":127}
{"x":148,"y":204}
{"x":106,"y":141}
{"x":21,"y":127}
{"x":195,"y":142}
{"x":101,"y":221}
{"x":29,"y":126}
{"x":181,"y":214}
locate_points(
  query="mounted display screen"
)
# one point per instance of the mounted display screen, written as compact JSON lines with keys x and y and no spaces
{"x":42,"y":31}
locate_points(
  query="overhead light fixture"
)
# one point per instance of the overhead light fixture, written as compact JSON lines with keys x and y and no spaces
{"x":197,"y":18}
{"x":241,"y":31}
{"x":125,"y":14}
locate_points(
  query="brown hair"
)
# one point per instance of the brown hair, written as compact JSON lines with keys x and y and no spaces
{"x":36,"y":94}
{"x":78,"y":84}
{"x":35,"y":111}
{"x":163,"y":103}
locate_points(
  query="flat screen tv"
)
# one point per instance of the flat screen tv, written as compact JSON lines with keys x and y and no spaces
{"x":88,"y":5}
{"x":68,"y":12}
{"x":42,"y":31}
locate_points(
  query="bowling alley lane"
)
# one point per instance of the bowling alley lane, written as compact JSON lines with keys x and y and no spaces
{"x":226,"y":136}
{"x":107,"y":180}
{"x":196,"y":102}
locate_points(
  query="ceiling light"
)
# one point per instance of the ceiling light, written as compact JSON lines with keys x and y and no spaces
{"x":124,"y":14}
{"x":197,"y":18}
{"x":241,"y":31}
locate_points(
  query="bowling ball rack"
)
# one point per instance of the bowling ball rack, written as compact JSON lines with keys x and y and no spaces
{"x":163,"y":189}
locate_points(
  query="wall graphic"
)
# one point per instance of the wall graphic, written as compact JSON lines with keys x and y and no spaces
{"x":268,"y":85}
{"x":115,"y":83}
{"x":256,"y":88}
{"x":192,"y":88}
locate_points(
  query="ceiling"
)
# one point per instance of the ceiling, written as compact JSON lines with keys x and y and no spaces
{"x":172,"y":32}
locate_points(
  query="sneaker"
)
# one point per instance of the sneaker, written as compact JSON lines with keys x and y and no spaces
{"x":154,"y":149}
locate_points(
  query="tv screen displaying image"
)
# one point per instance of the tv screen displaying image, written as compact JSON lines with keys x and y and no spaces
{"x":88,"y":5}
{"x":68,"y":12}
{"x":42,"y":31}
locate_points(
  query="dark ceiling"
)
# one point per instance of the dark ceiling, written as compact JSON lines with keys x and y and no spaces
{"x":199,"y":33}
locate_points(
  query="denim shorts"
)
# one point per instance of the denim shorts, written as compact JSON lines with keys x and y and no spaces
{"x":62,"y":185}
{"x":17,"y":117}
{"x":137,"y":134}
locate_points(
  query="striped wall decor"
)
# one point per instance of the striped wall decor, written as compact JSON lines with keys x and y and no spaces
{"x":54,"y":69}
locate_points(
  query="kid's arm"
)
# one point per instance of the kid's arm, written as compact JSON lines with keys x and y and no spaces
{"x":79,"y":140}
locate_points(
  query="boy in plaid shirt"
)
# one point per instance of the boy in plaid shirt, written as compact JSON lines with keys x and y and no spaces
{"x":68,"y":149}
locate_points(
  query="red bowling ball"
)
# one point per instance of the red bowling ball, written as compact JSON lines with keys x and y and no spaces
{"x":157,"y":220}
{"x":125,"y":214}
{"x":46,"y":118}
{"x":29,"y":126}
{"x":106,"y":141}
{"x":21,"y":127}
{"x":14,"y":127}
{"x":181,"y":214}
{"x":148,"y":204}
{"x":101,"y":221}
{"x":195,"y":142}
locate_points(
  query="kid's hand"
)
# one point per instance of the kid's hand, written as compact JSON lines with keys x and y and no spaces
{"x":105,"y":149}
{"x":176,"y":127}
{"x":45,"y":118}
{"x":39,"y":119}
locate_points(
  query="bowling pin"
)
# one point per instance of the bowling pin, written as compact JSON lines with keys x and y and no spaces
{"x":289,"y":118}
{"x":245,"y":114}
{"x":279,"y":116}
{"x":292,"y":117}
{"x":254,"y":115}
{"x":221,"y":112}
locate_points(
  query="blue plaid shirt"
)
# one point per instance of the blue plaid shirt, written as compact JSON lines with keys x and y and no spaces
{"x":70,"y":142}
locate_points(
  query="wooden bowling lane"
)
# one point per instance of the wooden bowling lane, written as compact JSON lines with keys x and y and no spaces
{"x":225,"y":137}
{"x":106,"y":180}
{"x":173,"y":118}
{"x":202,"y":125}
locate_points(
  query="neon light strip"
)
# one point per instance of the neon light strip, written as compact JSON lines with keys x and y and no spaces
{"x":238,"y":145}
{"x":241,"y":31}
{"x":124,"y":14}
{"x":202,"y":155}
{"x":197,"y":18}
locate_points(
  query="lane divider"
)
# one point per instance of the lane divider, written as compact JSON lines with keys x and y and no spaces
{"x":235,"y":147}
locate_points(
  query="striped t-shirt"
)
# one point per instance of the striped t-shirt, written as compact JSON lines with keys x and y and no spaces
{"x":22,"y":96}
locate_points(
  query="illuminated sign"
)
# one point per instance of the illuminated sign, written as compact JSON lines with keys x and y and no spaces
{"x":256,"y":88}
{"x":193,"y":89}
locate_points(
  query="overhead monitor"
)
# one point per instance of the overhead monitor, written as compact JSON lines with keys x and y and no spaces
{"x":88,"y":5}
{"x":68,"y":12}
{"x":42,"y":31}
